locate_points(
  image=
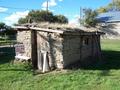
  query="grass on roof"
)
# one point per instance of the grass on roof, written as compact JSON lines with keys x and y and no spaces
{"x":57,"y":26}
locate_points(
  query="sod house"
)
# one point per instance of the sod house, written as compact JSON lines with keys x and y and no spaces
{"x":60,"y":45}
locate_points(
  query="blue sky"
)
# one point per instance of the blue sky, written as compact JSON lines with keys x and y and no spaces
{"x":12,"y":10}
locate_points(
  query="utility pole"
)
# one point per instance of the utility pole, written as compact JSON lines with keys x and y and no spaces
{"x":80,"y":15}
{"x":114,"y":6}
{"x":47,"y":6}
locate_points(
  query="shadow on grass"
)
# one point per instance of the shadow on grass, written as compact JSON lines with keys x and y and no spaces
{"x":15,"y":69}
{"x":110,"y":60}
{"x":7,"y":59}
{"x":6,"y":54}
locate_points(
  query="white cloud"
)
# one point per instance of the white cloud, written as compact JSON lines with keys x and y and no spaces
{"x":13,"y":18}
{"x":60,"y":0}
{"x":75,"y":20}
{"x":77,"y":16}
{"x":3,"y":9}
{"x":49,"y":9}
{"x":43,"y":8}
{"x":51,"y":3}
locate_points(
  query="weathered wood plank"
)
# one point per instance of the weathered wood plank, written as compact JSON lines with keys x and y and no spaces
{"x":34,"y":48}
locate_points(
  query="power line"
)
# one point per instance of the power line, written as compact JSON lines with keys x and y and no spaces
{"x":8,"y":13}
{"x":5,"y":13}
{"x":14,"y":7}
{"x":47,"y":6}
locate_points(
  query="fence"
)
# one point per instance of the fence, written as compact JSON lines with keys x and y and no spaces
{"x":7,"y":51}
{"x":7,"y":45}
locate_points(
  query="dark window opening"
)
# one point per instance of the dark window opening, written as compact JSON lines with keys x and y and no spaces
{"x":86,"y":41}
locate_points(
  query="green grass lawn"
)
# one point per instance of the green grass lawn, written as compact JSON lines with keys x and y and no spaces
{"x":7,"y":42}
{"x":105,"y":76}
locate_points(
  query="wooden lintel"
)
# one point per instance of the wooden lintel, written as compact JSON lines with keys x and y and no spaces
{"x":67,"y":32}
{"x":48,"y":30}
{"x":37,"y":29}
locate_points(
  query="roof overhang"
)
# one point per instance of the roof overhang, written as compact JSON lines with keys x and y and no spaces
{"x":60,"y":31}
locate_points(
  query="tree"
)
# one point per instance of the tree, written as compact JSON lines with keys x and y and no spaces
{"x":115,"y":5}
{"x":90,"y":18}
{"x":23,"y":20}
{"x":60,"y":19}
{"x":102,"y":10}
{"x":42,"y":16}
{"x":37,"y":16}
{"x":4,"y":29}
{"x":2,"y":25}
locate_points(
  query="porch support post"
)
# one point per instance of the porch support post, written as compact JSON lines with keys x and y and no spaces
{"x":34,"y":48}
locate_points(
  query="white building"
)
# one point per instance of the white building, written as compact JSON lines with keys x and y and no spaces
{"x":110,"y":24}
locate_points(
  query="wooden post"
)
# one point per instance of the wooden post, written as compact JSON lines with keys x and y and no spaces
{"x":40,"y":60}
{"x":34,"y":48}
{"x":97,"y":41}
{"x":46,"y":66}
{"x":92,"y":46}
{"x":81,"y":43}
{"x":99,"y":47}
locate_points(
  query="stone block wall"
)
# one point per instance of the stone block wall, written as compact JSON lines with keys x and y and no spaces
{"x":71,"y":49}
{"x":51,"y":43}
{"x":74,"y":49}
{"x":24,"y":37}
